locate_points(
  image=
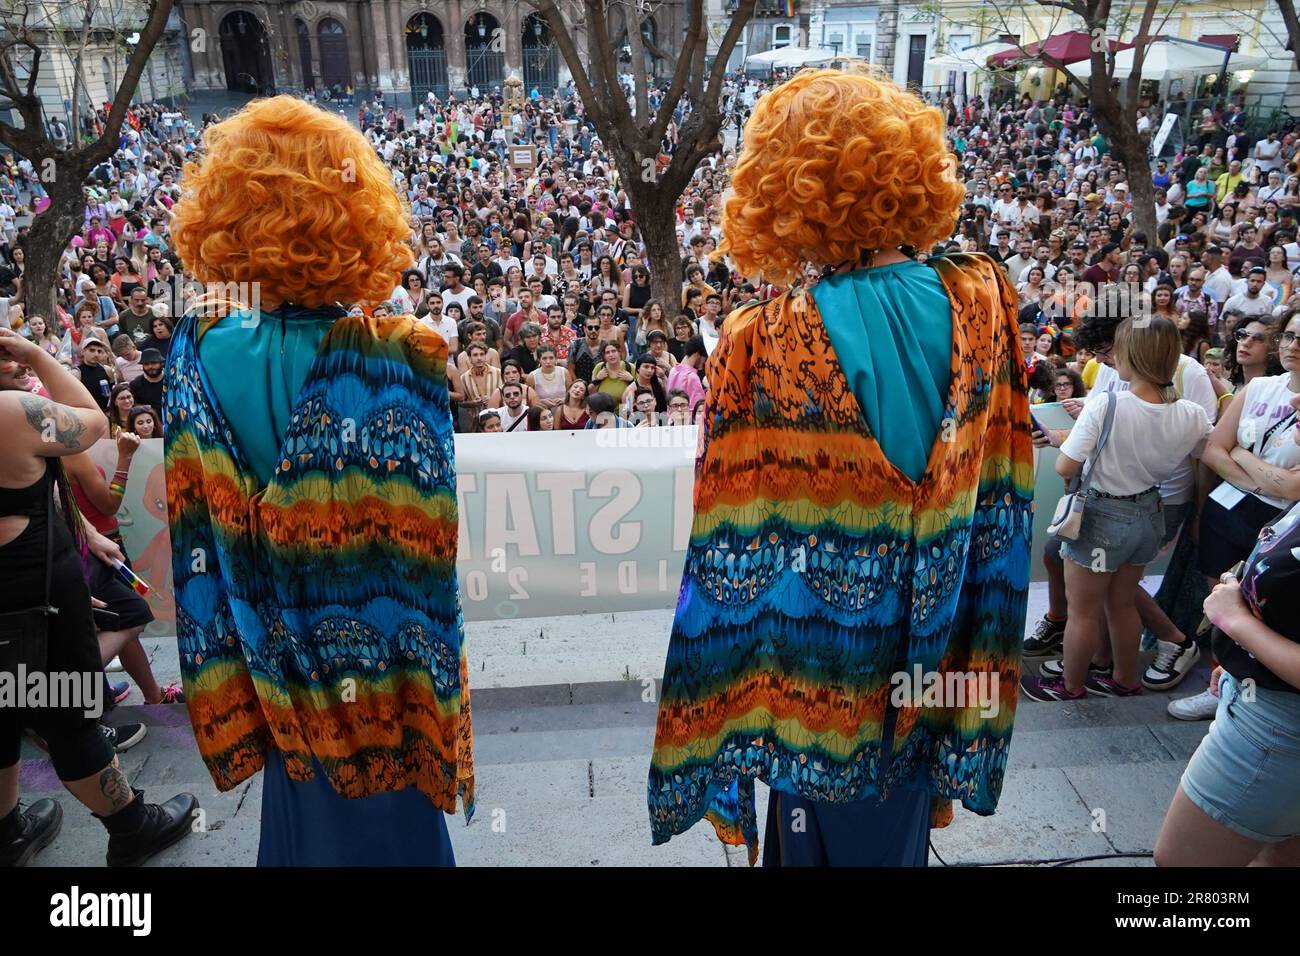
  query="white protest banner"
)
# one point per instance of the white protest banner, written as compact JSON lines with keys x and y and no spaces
{"x":566,"y":522}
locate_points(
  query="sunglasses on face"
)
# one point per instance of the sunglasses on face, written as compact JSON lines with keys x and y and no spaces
{"x":1242,"y":335}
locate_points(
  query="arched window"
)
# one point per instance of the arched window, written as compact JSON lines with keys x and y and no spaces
{"x":780,"y":36}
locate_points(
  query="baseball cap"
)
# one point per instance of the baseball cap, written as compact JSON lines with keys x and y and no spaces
{"x":1119,"y":186}
{"x":1078,"y":244}
{"x":1091,"y":197}
{"x":1073,"y":197}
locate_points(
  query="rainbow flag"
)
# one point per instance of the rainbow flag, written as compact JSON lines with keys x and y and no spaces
{"x":790,"y":10}
{"x":135,"y":582}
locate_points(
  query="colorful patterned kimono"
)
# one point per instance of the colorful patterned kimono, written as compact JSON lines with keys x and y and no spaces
{"x":817,"y":571}
{"x":320,"y":615}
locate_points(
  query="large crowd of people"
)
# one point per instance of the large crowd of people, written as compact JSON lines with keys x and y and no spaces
{"x":538,"y":279}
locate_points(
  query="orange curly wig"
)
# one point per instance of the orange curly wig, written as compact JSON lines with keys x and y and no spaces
{"x":294,"y":199}
{"x":835,"y":163}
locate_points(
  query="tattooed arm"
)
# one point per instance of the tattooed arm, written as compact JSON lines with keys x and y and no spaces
{"x":67,"y":422}
{"x":49,"y":429}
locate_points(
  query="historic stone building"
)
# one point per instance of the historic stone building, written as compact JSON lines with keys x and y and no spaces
{"x":403,"y":47}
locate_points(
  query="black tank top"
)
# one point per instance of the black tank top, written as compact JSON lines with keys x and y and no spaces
{"x":30,"y":501}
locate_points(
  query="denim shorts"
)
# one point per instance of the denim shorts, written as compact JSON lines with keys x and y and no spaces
{"x":1246,"y":772}
{"x":1115,"y":532}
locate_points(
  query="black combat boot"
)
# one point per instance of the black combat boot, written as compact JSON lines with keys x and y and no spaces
{"x":28,"y":830}
{"x":140,"y":830}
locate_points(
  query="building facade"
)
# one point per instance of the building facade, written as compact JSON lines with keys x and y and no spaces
{"x":58,"y":29}
{"x":927,"y":30}
{"x":403,"y":47}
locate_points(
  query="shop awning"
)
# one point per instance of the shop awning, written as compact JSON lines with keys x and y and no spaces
{"x":1070,"y":47}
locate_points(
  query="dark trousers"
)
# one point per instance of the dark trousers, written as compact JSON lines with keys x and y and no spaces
{"x":890,"y":832}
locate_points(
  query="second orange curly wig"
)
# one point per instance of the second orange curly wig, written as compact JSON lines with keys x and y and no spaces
{"x":296,"y":200}
{"x":835,"y":163}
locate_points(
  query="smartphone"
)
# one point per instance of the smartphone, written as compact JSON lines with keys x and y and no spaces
{"x":1038,"y":426}
{"x":105,"y":620}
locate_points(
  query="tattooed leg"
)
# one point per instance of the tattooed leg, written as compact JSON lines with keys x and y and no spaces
{"x":103,"y":793}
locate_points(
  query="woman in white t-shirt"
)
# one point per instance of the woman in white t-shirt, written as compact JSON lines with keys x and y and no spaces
{"x":1152,"y":433}
{"x":1253,"y":451}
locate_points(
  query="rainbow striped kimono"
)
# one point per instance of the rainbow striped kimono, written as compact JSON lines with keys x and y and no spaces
{"x":321,"y":615}
{"x":818,"y":572}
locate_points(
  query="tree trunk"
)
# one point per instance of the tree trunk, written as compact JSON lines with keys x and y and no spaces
{"x":1118,"y":123}
{"x":654,"y":209}
{"x":1131,"y":150}
{"x":47,"y":237}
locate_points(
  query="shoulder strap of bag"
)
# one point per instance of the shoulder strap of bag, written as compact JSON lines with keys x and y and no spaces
{"x":49,"y":532}
{"x":1106,"y":425}
{"x":515,"y":423}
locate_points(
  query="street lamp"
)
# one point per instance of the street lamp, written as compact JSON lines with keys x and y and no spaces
{"x":482,"y":27}
{"x":537,"y":30}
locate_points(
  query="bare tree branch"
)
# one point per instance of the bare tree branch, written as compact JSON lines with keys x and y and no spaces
{"x":739,"y":18}
{"x":78,"y":77}
{"x":687,"y":62}
{"x":696,"y":89}
{"x":637,"y":44}
{"x":1288,"y":11}
{"x":604,"y":58}
{"x":159,"y":11}
{"x":592,"y":102}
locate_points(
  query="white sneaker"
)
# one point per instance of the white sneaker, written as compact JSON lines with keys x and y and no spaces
{"x":1201,"y":707}
{"x":1173,"y":662}
{"x":115,"y":665}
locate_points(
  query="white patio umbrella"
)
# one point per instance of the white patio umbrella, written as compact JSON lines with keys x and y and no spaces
{"x":1165,"y":59}
{"x":790,"y":56}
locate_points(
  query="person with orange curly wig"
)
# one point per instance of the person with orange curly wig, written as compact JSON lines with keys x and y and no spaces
{"x":849,"y":624}
{"x":311,"y":498}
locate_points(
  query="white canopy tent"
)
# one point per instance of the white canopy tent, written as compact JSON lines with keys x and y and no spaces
{"x":970,"y":59}
{"x":1169,"y":58}
{"x":790,"y":56}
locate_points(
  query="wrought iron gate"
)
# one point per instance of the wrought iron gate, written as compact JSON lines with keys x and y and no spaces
{"x":486,"y":68}
{"x":428,"y":69}
{"x":541,"y":69}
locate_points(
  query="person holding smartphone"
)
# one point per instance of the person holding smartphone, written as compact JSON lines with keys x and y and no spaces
{"x":1152,"y":433}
